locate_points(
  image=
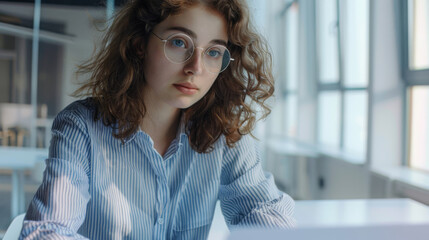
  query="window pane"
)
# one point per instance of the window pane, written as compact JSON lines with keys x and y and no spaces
{"x":291,"y":42}
{"x":329,"y":118}
{"x":276,"y":126}
{"x":291,"y":115}
{"x":283,"y":117}
{"x":327,"y":40}
{"x":419,"y":124}
{"x":355,"y":122}
{"x":418,"y":34}
{"x":355,"y":42}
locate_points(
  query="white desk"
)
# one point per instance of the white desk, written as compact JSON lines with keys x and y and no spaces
{"x":18,"y":160}
{"x":345,"y":213}
{"x":360,"y":212}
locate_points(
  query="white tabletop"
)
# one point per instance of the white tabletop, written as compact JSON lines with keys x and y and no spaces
{"x":21,"y":158}
{"x":346,"y":213}
{"x":360,"y":212}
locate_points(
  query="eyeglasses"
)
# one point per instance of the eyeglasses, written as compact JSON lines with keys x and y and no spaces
{"x":179,"y":48}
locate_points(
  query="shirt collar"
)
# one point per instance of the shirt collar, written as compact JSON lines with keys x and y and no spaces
{"x":181,"y":132}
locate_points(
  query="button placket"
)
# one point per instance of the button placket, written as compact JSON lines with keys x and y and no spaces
{"x":162,"y":200}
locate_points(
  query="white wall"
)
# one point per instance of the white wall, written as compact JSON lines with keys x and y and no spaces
{"x":342,"y":179}
{"x":82,"y":24}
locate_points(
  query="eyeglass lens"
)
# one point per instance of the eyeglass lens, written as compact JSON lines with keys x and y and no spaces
{"x":180,"y":47}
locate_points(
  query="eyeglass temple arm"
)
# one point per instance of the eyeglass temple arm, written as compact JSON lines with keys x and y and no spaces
{"x":164,"y":40}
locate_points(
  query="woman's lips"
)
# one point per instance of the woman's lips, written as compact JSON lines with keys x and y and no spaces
{"x":186,"y":88}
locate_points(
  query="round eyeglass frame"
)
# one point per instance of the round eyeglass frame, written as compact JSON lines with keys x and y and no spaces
{"x":193,"y":50}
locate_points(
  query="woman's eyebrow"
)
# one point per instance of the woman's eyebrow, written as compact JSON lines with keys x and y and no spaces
{"x":194,"y":36}
{"x":219,"y":42}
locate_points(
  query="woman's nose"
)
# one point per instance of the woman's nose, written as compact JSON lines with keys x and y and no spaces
{"x":194,"y":65}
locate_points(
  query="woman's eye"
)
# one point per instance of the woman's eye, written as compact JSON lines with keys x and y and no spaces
{"x":178,"y":43}
{"x":214,"y":53}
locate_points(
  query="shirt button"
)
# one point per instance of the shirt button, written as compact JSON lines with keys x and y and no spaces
{"x":160,"y":220}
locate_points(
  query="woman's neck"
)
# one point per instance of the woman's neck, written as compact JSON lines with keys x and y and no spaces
{"x":161,"y":126}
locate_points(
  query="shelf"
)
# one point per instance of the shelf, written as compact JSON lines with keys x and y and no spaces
{"x":28,"y":33}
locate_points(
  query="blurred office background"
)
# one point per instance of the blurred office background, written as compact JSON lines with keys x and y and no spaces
{"x":350,"y":116}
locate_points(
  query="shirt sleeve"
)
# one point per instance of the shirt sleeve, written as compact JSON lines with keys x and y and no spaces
{"x":248,"y":196}
{"x":59,"y":205}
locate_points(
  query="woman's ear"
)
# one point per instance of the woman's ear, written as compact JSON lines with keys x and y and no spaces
{"x":139,"y":46}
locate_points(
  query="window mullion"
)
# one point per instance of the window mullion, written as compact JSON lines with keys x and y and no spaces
{"x":341,"y":72}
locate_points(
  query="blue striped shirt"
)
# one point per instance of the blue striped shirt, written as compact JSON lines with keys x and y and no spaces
{"x":96,"y":187}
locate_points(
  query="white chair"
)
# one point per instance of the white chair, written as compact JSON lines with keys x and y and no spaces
{"x":14,"y":229}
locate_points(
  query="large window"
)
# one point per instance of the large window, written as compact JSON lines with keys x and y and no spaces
{"x":342,"y":30}
{"x":416,"y":74}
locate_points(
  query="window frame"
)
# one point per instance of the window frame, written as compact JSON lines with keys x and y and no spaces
{"x":340,"y":85}
{"x":285,"y":92}
{"x":410,"y":77}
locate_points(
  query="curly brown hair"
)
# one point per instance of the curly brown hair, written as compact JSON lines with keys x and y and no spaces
{"x":229,"y":106}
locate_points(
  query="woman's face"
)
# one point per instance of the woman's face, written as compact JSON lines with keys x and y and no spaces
{"x":180,"y":85}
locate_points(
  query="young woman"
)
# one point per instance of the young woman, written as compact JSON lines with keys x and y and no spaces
{"x":165,"y":131}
